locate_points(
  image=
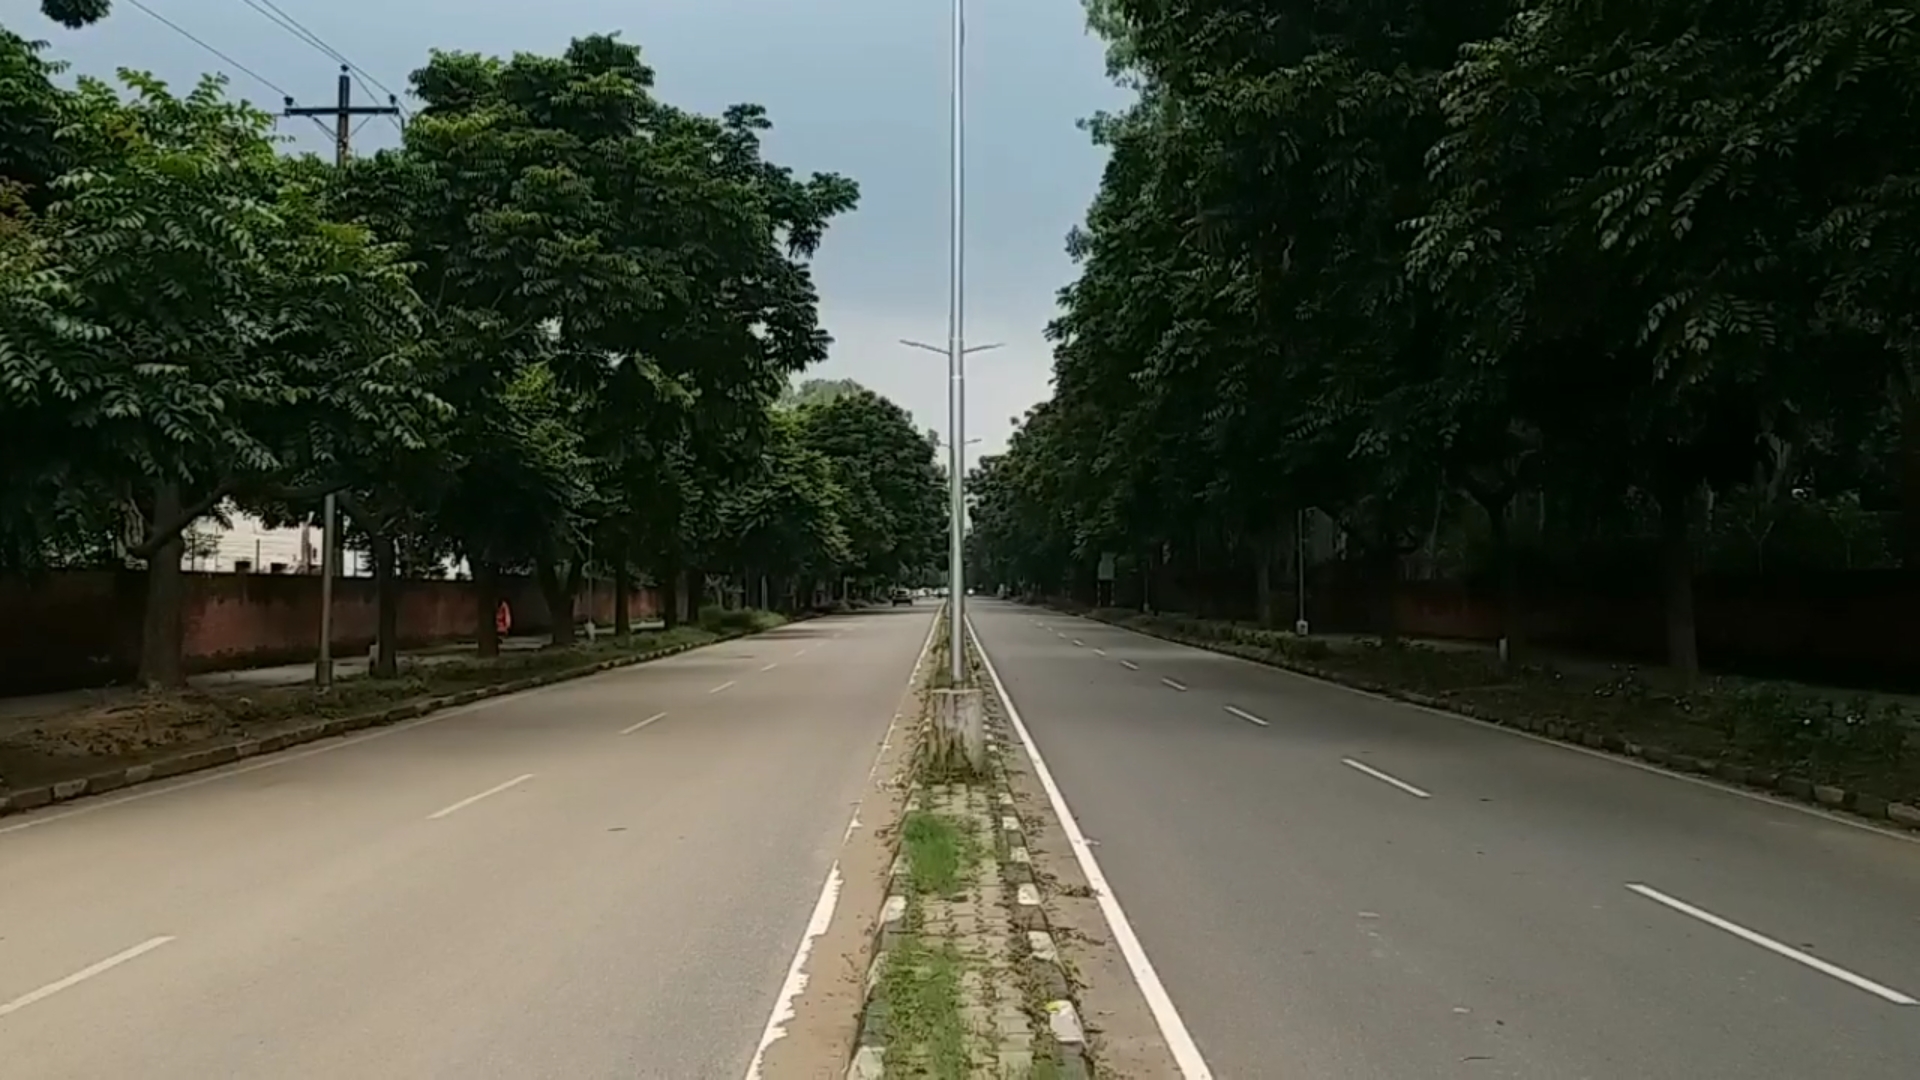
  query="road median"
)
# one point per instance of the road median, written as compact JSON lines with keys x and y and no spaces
{"x":1839,"y":751}
{"x":84,"y":752}
{"x":960,"y":984}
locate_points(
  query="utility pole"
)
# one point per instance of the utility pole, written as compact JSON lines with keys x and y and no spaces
{"x":342,"y":113}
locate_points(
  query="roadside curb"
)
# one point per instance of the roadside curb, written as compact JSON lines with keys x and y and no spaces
{"x":1781,"y":784}
{"x":100,"y":783}
{"x":1040,"y":952}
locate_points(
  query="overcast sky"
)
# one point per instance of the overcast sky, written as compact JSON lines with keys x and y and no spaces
{"x":854,"y":86}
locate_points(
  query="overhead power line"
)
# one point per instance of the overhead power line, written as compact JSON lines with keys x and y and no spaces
{"x":280,"y":17}
{"x":222,"y":57}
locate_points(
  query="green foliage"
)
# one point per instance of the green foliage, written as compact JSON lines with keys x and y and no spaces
{"x":1391,"y":260}
{"x":551,"y":330}
{"x":892,"y":494}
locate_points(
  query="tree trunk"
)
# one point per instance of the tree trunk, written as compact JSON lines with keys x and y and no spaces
{"x":622,"y":606}
{"x":1263,"y":582}
{"x":386,"y":578}
{"x":559,"y":602}
{"x":1500,"y":530}
{"x":1907,"y":396}
{"x":161,"y":637}
{"x":1676,"y":559}
{"x":486,"y":591}
{"x":1384,"y":563}
{"x":669,"y":578}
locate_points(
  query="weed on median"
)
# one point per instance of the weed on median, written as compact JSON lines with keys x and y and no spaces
{"x":941,"y":853}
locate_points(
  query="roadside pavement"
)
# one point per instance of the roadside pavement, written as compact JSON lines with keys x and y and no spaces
{"x":21,"y":711}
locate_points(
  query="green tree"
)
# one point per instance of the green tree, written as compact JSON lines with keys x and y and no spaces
{"x":218,"y":337}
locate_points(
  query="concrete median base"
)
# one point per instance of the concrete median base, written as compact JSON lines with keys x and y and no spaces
{"x":960,"y":729}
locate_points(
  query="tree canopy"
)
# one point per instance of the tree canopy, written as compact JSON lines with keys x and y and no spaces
{"x":549,"y":334}
{"x":1642,"y":268}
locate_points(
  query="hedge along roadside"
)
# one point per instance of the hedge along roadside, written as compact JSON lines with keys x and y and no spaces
{"x":116,"y":779}
{"x":1780,"y":782}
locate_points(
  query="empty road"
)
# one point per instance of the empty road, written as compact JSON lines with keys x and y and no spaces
{"x":1336,"y":887}
{"x":605,"y":878}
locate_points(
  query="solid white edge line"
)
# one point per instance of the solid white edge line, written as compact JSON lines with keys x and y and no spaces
{"x":1186,"y":1055}
{"x":1752,"y":937}
{"x":1824,"y":814}
{"x":722,"y":686}
{"x":1130,"y":665}
{"x":1247,"y":716}
{"x":823,"y":908}
{"x":1384,"y":778}
{"x":82,"y":975}
{"x":471,"y":799}
{"x":1175,"y":683}
{"x":636,"y":727}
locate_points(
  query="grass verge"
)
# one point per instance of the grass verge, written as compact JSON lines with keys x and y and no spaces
{"x":927,"y":1033}
{"x":1772,"y":730}
{"x":941,"y":853}
{"x":143,"y":727}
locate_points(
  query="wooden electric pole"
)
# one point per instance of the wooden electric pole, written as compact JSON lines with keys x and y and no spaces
{"x":342,"y":111}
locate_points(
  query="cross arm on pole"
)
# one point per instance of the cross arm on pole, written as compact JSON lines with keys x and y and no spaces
{"x":940,"y":349}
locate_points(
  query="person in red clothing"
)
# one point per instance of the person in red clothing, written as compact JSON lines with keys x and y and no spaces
{"x":503,"y":619}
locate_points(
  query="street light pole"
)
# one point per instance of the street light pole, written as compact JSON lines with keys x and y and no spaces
{"x":957,"y":359}
{"x":956,"y":354}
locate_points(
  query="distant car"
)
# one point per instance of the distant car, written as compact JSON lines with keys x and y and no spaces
{"x":902,"y":596}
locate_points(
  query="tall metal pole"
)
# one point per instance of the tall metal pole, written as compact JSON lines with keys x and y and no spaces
{"x":342,"y":114}
{"x":957,"y":361}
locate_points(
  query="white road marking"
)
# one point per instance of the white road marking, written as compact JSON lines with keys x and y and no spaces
{"x":721,"y":687}
{"x":471,"y":799}
{"x":1754,"y":938}
{"x":82,"y":975}
{"x":823,"y":908}
{"x":1130,"y":665}
{"x":1186,"y":1055}
{"x":1378,"y":775}
{"x":1175,"y":684}
{"x":1247,"y":716}
{"x":1080,"y":643}
{"x":643,"y":723}
{"x":1099,"y":652}
{"x":925,"y":647}
{"x":771,"y":666}
{"x":802,"y":651}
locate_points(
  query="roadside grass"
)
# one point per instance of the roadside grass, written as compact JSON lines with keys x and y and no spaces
{"x":1857,"y":741}
{"x":927,"y":1034}
{"x":142,"y":726}
{"x":941,"y":853}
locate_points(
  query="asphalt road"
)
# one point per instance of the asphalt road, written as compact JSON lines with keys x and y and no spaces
{"x":547,"y":885}
{"x":1336,"y":887}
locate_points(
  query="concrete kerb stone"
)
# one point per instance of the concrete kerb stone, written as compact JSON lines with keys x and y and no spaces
{"x":33,"y":798}
{"x":1799,"y":788}
{"x":1063,"y":1025}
